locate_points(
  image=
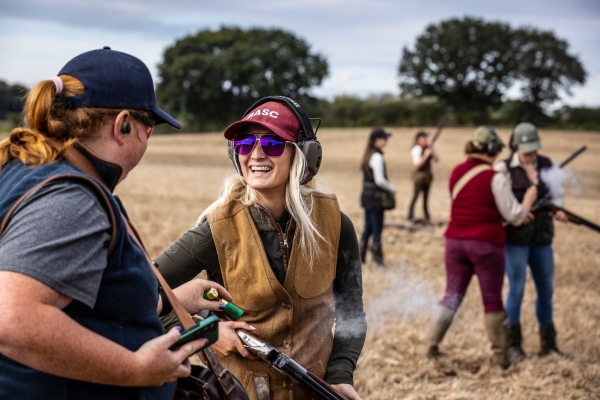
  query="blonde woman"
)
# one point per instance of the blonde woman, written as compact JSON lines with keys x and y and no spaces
{"x":79,"y":299}
{"x":280,"y":245}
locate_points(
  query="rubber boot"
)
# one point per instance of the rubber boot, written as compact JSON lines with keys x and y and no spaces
{"x":377,"y":253}
{"x":437,"y":330}
{"x":548,"y":340}
{"x":495,"y":325}
{"x":362,"y":248}
{"x":515,"y":339}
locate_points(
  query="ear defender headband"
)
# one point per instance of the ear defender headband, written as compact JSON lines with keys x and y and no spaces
{"x":494,"y":145}
{"x":307,"y":138}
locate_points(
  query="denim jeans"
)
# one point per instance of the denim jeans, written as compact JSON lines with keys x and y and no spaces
{"x":373,"y":225}
{"x":541,"y":263}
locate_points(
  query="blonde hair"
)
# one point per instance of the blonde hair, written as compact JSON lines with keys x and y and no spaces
{"x":298,"y":202}
{"x":49,"y":115}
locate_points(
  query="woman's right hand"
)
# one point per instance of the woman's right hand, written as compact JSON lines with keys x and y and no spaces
{"x":530,"y":197}
{"x":191,"y":295}
{"x":155,"y":364}
{"x":229,"y":342}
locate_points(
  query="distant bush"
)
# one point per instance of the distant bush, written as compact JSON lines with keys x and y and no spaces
{"x":578,"y":118}
{"x":382,"y":110}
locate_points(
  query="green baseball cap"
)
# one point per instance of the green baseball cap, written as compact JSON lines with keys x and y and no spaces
{"x":526,"y":137}
{"x":484,"y":134}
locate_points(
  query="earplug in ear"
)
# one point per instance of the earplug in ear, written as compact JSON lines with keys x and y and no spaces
{"x":126,"y":127}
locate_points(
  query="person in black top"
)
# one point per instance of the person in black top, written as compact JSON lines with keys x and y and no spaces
{"x":376,"y":190}
{"x":531,"y":243}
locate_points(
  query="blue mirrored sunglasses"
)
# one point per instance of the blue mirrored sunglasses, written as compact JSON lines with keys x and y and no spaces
{"x":272,"y":146}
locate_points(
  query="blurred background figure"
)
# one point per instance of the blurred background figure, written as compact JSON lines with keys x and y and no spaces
{"x":531,"y":243}
{"x":475,"y":242}
{"x":422,"y":154}
{"x":378,"y":194}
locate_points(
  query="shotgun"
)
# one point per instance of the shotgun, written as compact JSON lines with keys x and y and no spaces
{"x":312,"y":385}
{"x":574,"y":218}
{"x":443,"y":123}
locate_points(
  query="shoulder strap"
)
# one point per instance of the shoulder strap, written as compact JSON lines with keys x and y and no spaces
{"x":466,"y":178}
{"x":223,"y":375}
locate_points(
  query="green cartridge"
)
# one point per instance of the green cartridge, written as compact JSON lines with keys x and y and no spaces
{"x":231,"y":308}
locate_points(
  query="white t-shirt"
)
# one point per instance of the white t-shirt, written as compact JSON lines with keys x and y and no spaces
{"x":376,"y":164}
{"x":416,"y":153}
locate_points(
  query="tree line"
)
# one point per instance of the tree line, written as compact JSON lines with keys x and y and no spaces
{"x":210,"y":78}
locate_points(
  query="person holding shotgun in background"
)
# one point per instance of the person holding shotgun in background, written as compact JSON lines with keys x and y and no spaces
{"x":531,"y":243}
{"x":474,"y":245}
{"x":280,"y":244}
{"x":422,"y":154}
{"x":80,"y":303}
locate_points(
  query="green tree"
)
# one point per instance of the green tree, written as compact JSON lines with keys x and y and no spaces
{"x":544,"y":67}
{"x":465,"y":62}
{"x":471,"y":63}
{"x":11,"y":99}
{"x":211,"y":78}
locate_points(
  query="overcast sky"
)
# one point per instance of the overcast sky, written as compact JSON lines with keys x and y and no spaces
{"x":361,"y":39}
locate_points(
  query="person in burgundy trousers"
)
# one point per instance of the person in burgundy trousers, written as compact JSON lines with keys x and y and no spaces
{"x":481,"y":199}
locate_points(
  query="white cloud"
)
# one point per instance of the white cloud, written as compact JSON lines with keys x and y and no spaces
{"x":361,"y":39}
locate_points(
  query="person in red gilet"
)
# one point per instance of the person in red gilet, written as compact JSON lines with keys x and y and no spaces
{"x":481,"y":199}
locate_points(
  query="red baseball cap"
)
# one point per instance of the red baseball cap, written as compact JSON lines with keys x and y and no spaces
{"x":275,"y":116}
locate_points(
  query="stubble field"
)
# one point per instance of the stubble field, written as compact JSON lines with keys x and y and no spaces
{"x":181,"y":174}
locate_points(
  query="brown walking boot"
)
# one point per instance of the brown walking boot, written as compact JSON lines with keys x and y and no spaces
{"x":515,"y":339}
{"x":437,"y":330}
{"x":377,"y":253}
{"x":495,"y":325}
{"x":362,"y":249}
{"x":548,"y":340}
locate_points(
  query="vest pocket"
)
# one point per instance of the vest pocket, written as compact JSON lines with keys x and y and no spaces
{"x":250,"y":384}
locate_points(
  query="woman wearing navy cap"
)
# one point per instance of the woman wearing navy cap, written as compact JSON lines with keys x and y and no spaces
{"x":79,"y":316}
{"x":280,"y":244}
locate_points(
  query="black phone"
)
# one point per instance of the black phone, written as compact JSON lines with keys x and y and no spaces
{"x":207,"y":328}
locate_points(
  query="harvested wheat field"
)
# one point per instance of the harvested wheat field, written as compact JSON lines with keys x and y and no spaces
{"x":181,"y":174}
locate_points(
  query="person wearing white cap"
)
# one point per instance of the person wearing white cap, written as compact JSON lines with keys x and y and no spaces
{"x":531,"y":243}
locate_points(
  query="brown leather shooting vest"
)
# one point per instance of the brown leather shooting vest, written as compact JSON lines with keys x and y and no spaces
{"x":296,"y":317}
{"x":423,"y":175}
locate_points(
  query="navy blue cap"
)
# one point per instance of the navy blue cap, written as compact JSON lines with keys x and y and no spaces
{"x":115,"y":80}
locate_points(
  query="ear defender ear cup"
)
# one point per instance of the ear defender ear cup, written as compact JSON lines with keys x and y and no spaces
{"x":126,"y":127}
{"x":493,"y":146}
{"x":313,"y":153}
{"x":307,"y":138}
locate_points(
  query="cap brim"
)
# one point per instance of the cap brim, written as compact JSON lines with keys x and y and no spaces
{"x":239,"y":126}
{"x":529,"y":147}
{"x":164,"y":118}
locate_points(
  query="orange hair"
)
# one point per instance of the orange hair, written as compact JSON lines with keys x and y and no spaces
{"x":48,"y":115}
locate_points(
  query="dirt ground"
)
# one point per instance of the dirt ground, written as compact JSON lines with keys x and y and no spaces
{"x":181,"y":175}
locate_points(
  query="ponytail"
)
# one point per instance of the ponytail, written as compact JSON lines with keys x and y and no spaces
{"x":49,"y":115}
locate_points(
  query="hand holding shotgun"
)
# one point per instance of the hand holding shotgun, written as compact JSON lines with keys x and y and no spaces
{"x":311,"y":384}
